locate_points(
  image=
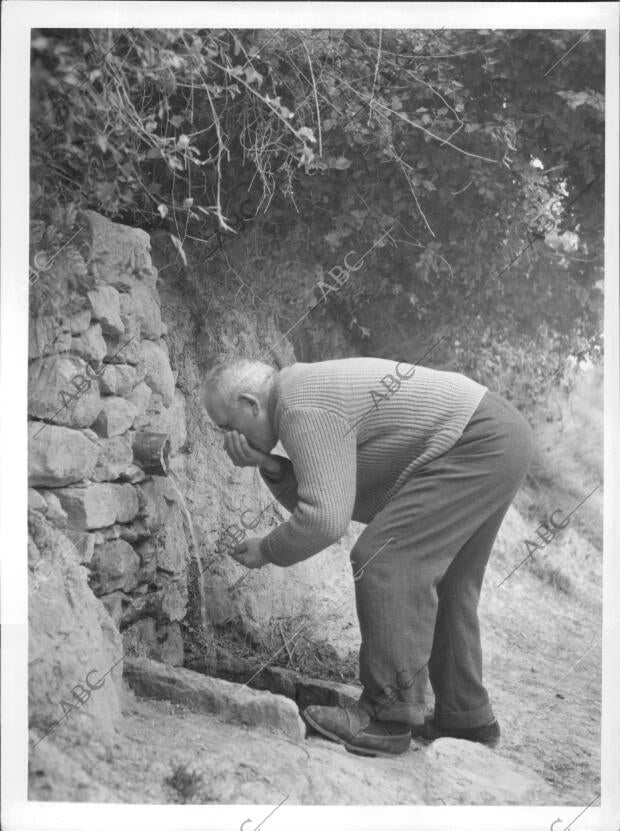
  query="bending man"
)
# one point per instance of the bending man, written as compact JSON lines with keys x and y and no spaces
{"x":430,"y":461}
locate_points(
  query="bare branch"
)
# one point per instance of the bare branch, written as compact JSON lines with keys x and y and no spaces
{"x":404,"y":118}
{"x":374,"y":80}
{"x":316,"y":100}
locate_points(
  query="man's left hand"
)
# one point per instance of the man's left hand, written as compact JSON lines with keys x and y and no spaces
{"x":248,"y":554}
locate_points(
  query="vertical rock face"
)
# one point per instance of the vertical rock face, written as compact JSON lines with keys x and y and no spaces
{"x":97,"y":363}
{"x":72,"y":641}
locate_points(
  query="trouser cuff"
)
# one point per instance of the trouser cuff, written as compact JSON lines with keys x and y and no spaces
{"x":468,"y":718}
{"x":410,"y":712}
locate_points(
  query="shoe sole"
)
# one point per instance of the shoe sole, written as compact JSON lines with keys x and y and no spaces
{"x":357,"y":751}
{"x":428,"y":739}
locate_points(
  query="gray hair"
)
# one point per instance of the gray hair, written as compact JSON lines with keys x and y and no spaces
{"x":228,"y":378}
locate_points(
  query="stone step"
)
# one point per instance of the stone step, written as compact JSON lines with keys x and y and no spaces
{"x":204,"y":694}
{"x":303,"y":689}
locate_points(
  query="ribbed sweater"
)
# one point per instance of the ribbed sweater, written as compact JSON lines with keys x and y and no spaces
{"x":352,"y":444}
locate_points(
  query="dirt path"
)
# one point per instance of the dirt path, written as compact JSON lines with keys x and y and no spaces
{"x":543,"y":670}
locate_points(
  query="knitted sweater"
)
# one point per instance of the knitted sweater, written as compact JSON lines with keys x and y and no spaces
{"x":354,"y":430}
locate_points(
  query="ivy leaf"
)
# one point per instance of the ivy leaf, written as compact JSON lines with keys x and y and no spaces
{"x":333,"y":239}
{"x":252,"y":75}
{"x":102,"y":143}
{"x":341,"y":163}
{"x":306,"y":133}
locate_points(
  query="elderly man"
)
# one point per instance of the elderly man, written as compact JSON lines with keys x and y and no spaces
{"x":430,"y":461}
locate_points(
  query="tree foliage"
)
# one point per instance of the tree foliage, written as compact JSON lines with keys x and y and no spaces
{"x":481,"y":152}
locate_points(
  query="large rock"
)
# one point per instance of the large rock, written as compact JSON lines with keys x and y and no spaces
{"x":127,"y":502}
{"x":115,"y":417}
{"x":59,"y":455}
{"x":467,"y":773}
{"x":140,"y":397}
{"x":114,"y":566}
{"x":98,"y":506}
{"x":125,"y":349}
{"x":51,"y":391}
{"x":71,"y":641}
{"x":55,"y":776}
{"x":231,"y":702}
{"x":158,"y":372}
{"x":105,"y":303}
{"x":36,"y":501}
{"x":117,"y":252}
{"x":115,"y":456}
{"x":90,"y":345}
{"x":142,"y":306}
{"x":118,"y":379}
{"x":80,"y":321}
{"x":54,"y":512}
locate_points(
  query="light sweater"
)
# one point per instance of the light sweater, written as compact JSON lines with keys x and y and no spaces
{"x":352,"y":444}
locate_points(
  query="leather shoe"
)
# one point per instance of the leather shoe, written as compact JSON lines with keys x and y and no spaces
{"x":487,"y":734}
{"x":360,"y":734}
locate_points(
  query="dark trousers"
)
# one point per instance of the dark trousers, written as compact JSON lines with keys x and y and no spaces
{"x":423,"y":559}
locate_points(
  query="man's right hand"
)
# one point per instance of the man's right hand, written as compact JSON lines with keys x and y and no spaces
{"x":242,"y":455}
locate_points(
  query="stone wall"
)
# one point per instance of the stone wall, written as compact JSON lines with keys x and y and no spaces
{"x":99,"y":378}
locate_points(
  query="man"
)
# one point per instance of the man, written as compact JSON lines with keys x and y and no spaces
{"x":430,"y":461}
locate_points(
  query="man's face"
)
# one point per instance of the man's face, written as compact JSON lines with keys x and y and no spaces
{"x":246,"y":415}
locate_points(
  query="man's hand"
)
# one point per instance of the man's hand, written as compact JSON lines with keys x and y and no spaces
{"x":247,"y":553}
{"x":242,"y":455}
